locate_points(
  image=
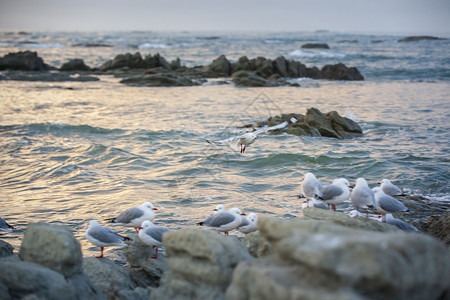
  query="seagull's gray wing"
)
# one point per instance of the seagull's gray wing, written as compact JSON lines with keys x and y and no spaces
{"x":245,"y":221}
{"x":330,"y":191}
{"x":275,"y":127}
{"x":392,"y":190}
{"x":220,"y":219}
{"x":156,"y":232}
{"x":402,"y":225}
{"x":129,"y":215}
{"x":391,"y":204}
{"x":105,"y":235}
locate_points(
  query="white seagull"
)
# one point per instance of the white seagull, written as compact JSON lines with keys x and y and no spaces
{"x":400,"y":224}
{"x":103,"y":237}
{"x":362,"y":196}
{"x":240,"y":142}
{"x":248,"y":224}
{"x":386,"y":204}
{"x":224,"y":221}
{"x":152,"y":235}
{"x":311,"y":187}
{"x":337,"y":192}
{"x":5,"y":226}
{"x":133,"y":217}
{"x":389,"y":188}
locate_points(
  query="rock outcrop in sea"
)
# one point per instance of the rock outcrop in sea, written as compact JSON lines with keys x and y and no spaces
{"x":321,"y":255}
{"x":155,"y":70}
{"x":416,"y":38}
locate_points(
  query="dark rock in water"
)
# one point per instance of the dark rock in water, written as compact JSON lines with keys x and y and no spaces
{"x":76,"y":64}
{"x":315,"y":46}
{"x":340,"y":72}
{"x":262,"y":66}
{"x":348,"y":41}
{"x":318,"y":120}
{"x":439,"y":227}
{"x":44,"y":76}
{"x":160,"y":79}
{"x":420,"y":38}
{"x":220,"y":66}
{"x":243,"y":64}
{"x":250,"y":79}
{"x":24,"y":61}
{"x":90,"y":45}
{"x":5,"y":249}
{"x":135,"y":61}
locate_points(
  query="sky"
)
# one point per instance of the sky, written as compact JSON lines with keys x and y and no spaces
{"x":388,"y":16}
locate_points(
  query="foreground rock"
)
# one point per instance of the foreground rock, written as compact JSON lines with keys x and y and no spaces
{"x":201,"y":264}
{"x":439,"y":227}
{"x":24,"y":61}
{"x":315,"y":123}
{"x":319,"y":260}
{"x":49,"y":266}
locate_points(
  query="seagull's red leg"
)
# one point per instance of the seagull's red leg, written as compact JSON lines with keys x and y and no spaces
{"x":333,"y":206}
{"x":156,"y":252}
{"x":243,"y":150}
{"x":226,"y":232}
{"x":328,"y":206}
{"x":383,"y":218}
{"x":101,"y":254}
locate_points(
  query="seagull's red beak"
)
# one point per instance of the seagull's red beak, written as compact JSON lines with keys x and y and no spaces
{"x":243,"y":214}
{"x":154,"y":208}
{"x":215,"y":209}
{"x":140,"y":228}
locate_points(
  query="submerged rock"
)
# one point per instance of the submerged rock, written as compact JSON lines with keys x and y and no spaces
{"x":161,"y":79}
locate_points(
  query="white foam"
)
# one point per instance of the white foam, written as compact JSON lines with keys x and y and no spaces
{"x":153,"y":46}
{"x":301,"y":53}
{"x":42,"y":46}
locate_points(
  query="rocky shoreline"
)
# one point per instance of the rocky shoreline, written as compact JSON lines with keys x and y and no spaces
{"x":321,"y":255}
{"x":155,"y":71}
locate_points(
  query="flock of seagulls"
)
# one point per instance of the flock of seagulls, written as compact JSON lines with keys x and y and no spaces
{"x":381,"y":199}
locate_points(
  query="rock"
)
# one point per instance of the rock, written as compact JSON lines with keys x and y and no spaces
{"x":201,"y":264}
{"x":144,"y":270}
{"x":318,"y":120}
{"x":5,"y":249}
{"x":243,"y":64}
{"x":300,"y":129}
{"x":76,"y":64}
{"x":220,"y":66}
{"x":340,"y":72}
{"x":136,"y":294}
{"x":107,"y":276}
{"x":315,"y":46}
{"x":420,"y":38}
{"x":160,"y":79}
{"x":250,"y":79}
{"x":439,"y":227}
{"x":52,"y":246}
{"x":321,"y":260}
{"x":280,"y":66}
{"x":45,"y":77}
{"x":25,"y":61}
{"x":345,"y":127}
{"x":263,"y":66}
{"x":256,"y":245}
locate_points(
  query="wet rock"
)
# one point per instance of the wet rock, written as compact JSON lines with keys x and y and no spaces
{"x":144,"y":270}
{"x":243,"y":64}
{"x":160,"y":79}
{"x":220,"y":66}
{"x":315,"y":46}
{"x":256,"y":245}
{"x":201,"y":264}
{"x":318,"y":120}
{"x":340,"y":72}
{"x":25,"y":61}
{"x":52,"y":246}
{"x":76,"y":64}
{"x":45,"y":77}
{"x":345,"y":127}
{"x":262,"y":66}
{"x":439,"y":227}
{"x":250,"y":79}
{"x":107,"y":276}
{"x":417,"y":38}
{"x":322,"y":260}
{"x":280,"y":66}
{"x":135,"y":61}
{"x":5,"y":249}
{"x":300,"y":129}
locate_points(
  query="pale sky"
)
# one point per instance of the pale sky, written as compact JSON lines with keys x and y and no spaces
{"x":408,"y":16}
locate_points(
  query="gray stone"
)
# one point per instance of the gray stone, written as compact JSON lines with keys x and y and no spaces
{"x":5,"y":249}
{"x":76,"y":64}
{"x":108,"y":277}
{"x":160,"y":79}
{"x":52,"y":246}
{"x":250,"y":79}
{"x":280,"y":66}
{"x":317,"y":119}
{"x":201,"y":264}
{"x":262,"y":66}
{"x":144,"y":270}
{"x":220,"y":66}
{"x":340,"y":72}
{"x":256,"y":245}
{"x":25,"y":61}
{"x":243,"y":64}
{"x":345,"y":127}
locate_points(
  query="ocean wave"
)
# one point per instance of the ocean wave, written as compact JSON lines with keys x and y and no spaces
{"x":56,"y":128}
{"x":308,"y":54}
{"x":40,"y":46}
{"x":153,"y":46}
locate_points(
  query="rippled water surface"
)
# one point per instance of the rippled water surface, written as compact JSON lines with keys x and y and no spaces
{"x":74,"y":151}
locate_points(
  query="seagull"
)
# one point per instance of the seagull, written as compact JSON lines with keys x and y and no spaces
{"x":219,"y":208}
{"x":5,"y":226}
{"x":314,"y":203}
{"x":337,"y":192}
{"x":362,"y":196}
{"x":248,"y":224}
{"x":133,"y":217}
{"x":312,"y":188}
{"x":354,"y":213}
{"x":103,"y":237}
{"x":224,"y":221}
{"x":240,"y":142}
{"x":400,"y":224}
{"x":152,"y":235}
{"x":390,"y":189}
{"x":386,"y":204}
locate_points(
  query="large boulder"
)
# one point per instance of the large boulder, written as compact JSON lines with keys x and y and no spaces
{"x":250,"y":79}
{"x":439,"y":227}
{"x":318,"y":120}
{"x":52,"y":246}
{"x":340,"y":72}
{"x":321,"y":260}
{"x":24,"y":61}
{"x":201,"y":264}
{"x":220,"y":66}
{"x":262,"y":66}
{"x":76,"y":64}
{"x":135,"y":61}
